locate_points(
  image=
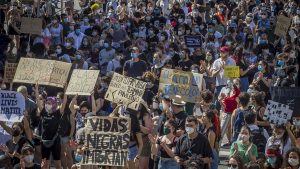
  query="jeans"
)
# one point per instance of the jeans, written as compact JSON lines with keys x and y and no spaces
{"x":215,"y":162}
{"x":168,"y":164}
{"x":225,"y":121}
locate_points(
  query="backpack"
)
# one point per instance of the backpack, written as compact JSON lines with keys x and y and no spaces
{"x":259,"y":139}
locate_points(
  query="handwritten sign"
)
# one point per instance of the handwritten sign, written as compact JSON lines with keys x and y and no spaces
{"x":277,"y":113}
{"x":107,"y":140}
{"x":82,"y":82}
{"x":31,"y":25}
{"x":45,"y":72}
{"x":289,"y":96}
{"x":127,"y":90}
{"x":186,"y":84}
{"x":192,"y":41}
{"x":232,"y":71}
{"x":282,"y":25}
{"x":12,"y":106}
{"x":9,"y":72}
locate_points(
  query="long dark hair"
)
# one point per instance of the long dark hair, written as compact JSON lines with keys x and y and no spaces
{"x":294,"y":150}
{"x":173,"y":124}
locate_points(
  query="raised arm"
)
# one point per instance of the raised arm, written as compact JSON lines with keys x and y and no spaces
{"x":72,"y":106}
{"x":94,"y":107}
{"x":5,"y":127}
{"x":39,"y":103}
{"x":63,"y":105}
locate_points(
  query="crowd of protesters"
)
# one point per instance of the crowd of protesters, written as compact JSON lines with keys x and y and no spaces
{"x":138,"y":39}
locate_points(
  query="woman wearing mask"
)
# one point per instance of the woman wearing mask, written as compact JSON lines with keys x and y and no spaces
{"x":291,"y":160}
{"x":263,"y":79}
{"x":13,"y":147}
{"x":27,"y":159}
{"x":282,"y":137}
{"x":56,"y":30}
{"x":146,"y":126}
{"x":244,"y":68}
{"x":79,"y":62}
{"x":244,"y":147}
{"x":185,"y":63}
{"x":166,"y":145}
{"x":69,"y":49}
{"x":209,"y":121}
{"x":50,"y":115}
{"x":274,"y":158}
{"x":235,"y":162}
{"x":259,"y":107}
{"x":85,"y":48}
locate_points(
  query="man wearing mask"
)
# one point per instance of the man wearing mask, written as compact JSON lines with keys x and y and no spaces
{"x":135,"y":67}
{"x":193,"y":147}
{"x":106,"y":55}
{"x":77,"y":35}
{"x":218,"y":68}
{"x":177,"y":109}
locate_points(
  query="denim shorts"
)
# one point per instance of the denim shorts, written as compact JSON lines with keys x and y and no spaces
{"x":132,"y":151}
{"x":168,"y":164}
{"x":64,"y":140}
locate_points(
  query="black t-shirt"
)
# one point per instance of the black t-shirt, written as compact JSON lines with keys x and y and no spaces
{"x":16,"y":148}
{"x":180,"y":120}
{"x":64,"y":129}
{"x":185,"y":147}
{"x":242,"y":66}
{"x":70,"y":51}
{"x":35,"y":166}
{"x":50,"y":124}
{"x":135,"y":126}
{"x":135,"y":69}
{"x":186,"y":65}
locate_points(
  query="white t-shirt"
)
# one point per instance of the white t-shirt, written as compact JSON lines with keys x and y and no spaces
{"x":220,"y":78}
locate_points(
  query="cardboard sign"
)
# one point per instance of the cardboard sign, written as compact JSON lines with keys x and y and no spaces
{"x":289,"y":96}
{"x":231,"y":71}
{"x":31,"y":25}
{"x":45,"y":72}
{"x":107,"y":140}
{"x":277,"y":113}
{"x":127,"y":90}
{"x":82,"y":82}
{"x":282,"y":25}
{"x":12,"y":106}
{"x":9,"y":72}
{"x":186,"y":84}
{"x":193,"y":41}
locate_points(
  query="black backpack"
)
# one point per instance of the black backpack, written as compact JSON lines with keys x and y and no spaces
{"x":259,"y":139}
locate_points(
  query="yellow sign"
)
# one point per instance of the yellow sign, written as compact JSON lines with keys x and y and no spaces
{"x":232,"y":71}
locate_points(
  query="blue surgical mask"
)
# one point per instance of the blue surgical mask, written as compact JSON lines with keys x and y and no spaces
{"x":94,"y":34}
{"x":210,"y":30}
{"x":161,"y":107}
{"x":77,"y":31}
{"x":271,"y":160}
{"x":134,"y":55}
{"x":78,"y":157}
{"x":106,"y":45}
{"x":280,"y":62}
{"x":262,"y":42}
{"x":260,"y":68}
{"x":78,"y":57}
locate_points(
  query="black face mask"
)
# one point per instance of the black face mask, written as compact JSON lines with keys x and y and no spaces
{"x":16,"y":132}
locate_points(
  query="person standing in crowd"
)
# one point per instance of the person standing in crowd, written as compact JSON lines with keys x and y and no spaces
{"x":135,"y":67}
{"x":177,"y":109}
{"x":193,"y":149}
{"x":165,"y":145}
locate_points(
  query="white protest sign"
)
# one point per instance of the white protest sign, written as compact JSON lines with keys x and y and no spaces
{"x":277,"y":113}
{"x":12,"y":106}
{"x":127,"y":90}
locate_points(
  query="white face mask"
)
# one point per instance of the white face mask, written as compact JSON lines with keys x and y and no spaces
{"x":189,"y":130}
{"x":48,"y":107}
{"x":279,"y":136}
{"x":293,"y":162}
{"x":29,"y":158}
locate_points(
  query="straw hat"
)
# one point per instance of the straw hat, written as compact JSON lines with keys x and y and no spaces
{"x":178,"y":101}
